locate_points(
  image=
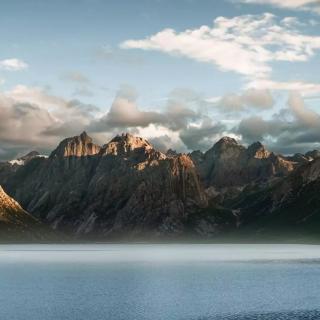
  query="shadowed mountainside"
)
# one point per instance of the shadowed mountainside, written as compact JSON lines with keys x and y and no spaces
{"x":126,"y":188}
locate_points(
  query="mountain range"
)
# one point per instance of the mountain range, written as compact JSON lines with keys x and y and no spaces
{"x":126,"y":189}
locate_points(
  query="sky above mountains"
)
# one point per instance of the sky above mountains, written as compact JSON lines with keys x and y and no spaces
{"x":182,"y":73}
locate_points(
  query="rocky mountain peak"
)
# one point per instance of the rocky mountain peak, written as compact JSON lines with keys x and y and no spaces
{"x":131,"y":188}
{"x":29,"y":155}
{"x":26,"y":158}
{"x":85,"y":138}
{"x":226,"y":141}
{"x":257,"y":150}
{"x":77,"y":146}
{"x":225,"y":148}
{"x":126,"y":143}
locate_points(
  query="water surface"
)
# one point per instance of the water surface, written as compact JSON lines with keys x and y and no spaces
{"x":194,"y":282}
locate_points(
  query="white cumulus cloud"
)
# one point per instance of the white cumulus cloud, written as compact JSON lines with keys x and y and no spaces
{"x":244,"y":44}
{"x":305,"y":88}
{"x":306,"y":5}
{"x":13,"y":65}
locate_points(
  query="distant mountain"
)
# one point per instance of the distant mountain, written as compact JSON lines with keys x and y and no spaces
{"x":26,"y":158}
{"x":8,"y":168}
{"x":127,"y":188}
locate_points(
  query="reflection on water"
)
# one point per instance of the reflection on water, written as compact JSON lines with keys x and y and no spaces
{"x":159,"y":282}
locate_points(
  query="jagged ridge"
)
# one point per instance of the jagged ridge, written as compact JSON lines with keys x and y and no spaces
{"x":126,"y":187}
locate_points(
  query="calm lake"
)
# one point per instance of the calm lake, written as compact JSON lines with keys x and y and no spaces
{"x":192,"y":282}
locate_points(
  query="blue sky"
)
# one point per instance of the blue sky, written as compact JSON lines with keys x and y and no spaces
{"x":64,"y":36}
{"x":81,"y":50}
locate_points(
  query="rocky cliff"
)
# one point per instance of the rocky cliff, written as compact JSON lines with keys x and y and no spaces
{"x":78,"y":146}
{"x":123,"y":187}
{"x":127,"y":188}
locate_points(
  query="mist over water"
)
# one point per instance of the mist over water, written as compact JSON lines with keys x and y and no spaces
{"x":167,"y":281}
{"x":170,"y":253}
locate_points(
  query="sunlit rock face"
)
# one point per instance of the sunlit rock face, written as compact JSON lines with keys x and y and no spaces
{"x":7,"y":204}
{"x":78,"y":146}
{"x":126,"y":144}
{"x":16,"y":223}
{"x":128,"y":188}
{"x":257,"y":151}
{"x":125,"y":187}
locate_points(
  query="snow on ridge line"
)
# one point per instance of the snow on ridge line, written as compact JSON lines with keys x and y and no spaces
{"x":21,"y":162}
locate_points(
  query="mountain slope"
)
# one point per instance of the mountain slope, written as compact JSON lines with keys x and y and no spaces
{"x":229,"y":164}
{"x":15,"y":223}
{"x":290,"y":206}
{"x":125,"y":187}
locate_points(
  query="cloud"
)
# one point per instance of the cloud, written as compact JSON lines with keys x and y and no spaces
{"x":31,"y":118}
{"x":179,"y":125}
{"x":251,"y":98}
{"x":178,"y":116}
{"x":125,"y":113}
{"x":34,"y":95}
{"x":71,"y":119}
{"x":302,"y":114}
{"x":305,"y":88}
{"x":245,"y":44}
{"x":305,"y":5}
{"x":190,"y":99}
{"x":162,"y":143}
{"x":34,"y":118}
{"x":13,"y":65}
{"x":162,"y":138}
{"x":293,"y":129}
{"x":203,"y":136}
